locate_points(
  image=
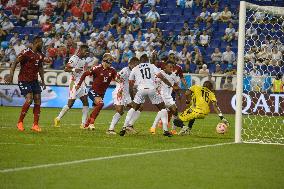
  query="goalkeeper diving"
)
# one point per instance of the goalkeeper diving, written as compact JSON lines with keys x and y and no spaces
{"x":198,"y":99}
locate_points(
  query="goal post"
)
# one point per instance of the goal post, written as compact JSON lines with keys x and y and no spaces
{"x":259,"y":124}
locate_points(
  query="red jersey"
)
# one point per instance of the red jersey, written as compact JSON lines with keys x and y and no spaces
{"x":101,"y":78}
{"x":30,"y":64}
{"x":76,"y":11}
{"x":177,"y":69}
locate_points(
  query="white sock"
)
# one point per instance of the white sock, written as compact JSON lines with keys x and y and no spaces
{"x":157,"y":119}
{"x":164,"y":118}
{"x":128,"y":117}
{"x":116,"y":117}
{"x":134,"y":117}
{"x":85,"y":111}
{"x":63,"y":112}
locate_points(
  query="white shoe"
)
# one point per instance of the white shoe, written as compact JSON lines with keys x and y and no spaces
{"x":184,"y":131}
{"x":111,"y":132}
{"x":91,"y":127}
{"x":130,"y":130}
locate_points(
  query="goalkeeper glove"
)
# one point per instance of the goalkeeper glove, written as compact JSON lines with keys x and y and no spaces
{"x":224,"y":120}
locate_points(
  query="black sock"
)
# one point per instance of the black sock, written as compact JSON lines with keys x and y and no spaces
{"x":178,"y":123}
{"x":190,"y":124}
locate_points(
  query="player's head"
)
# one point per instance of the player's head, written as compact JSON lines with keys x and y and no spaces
{"x":83,"y":51}
{"x":134,"y":61}
{"x":144,"y":58}
{"x":169,"y":67}
{"x":208,"y":85}
{"x":37,"y":43}
{"x":107,"y":60}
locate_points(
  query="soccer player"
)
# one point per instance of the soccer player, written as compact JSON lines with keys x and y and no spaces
{"x":120,"y":95}
{"x":144,"y":76}
{"x":31,"y":64}
{"x":166,"y":93}
{"x":200,"y":97}
{"x":76,"y":66}
{"x":102,"y":74}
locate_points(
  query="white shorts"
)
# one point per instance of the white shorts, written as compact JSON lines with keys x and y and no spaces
{"x":123,"y":101}
{"x":168,"y":100}
{"x":153,"y":95}
{"x":73,"y":94}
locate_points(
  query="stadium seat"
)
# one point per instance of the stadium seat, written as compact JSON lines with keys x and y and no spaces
{"x":192,"y":68}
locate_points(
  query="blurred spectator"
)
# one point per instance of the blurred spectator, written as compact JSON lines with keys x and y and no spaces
{"x":276,"y":57}
{"x":209,"y":28}
{"x":196,"y":56}
{"x":146,"y":44}
{"x":149,"y":34}
{"x":26,"y":40}
{"x":101,"y":42}
{"x":115,"y":53}
{"x":259,"y":16}
{"x":14,"y":38}
{"x":122,"y":44}
{"x":277,"y":84}
{"x":127,"y":54}
{"x":263,"y":56}
{"x":191,"y":38}
{"x":181,"y":38}
{"x":228,"y":85}
{"x":125,"y":20}
{"x":152,"y":2}
{"x":46,"y":39}
{"x":137,"y":44}
{"x":204,"y":70}
{"x":251,"y":32}
{"x":173,"y":49}
{"x":196,"y":29}
{"x":47,"y":26}
{"x":128,"y":37}
{"x":250,"y":56}
{"x":140,"y":52}
{"x":106,"y":5}
{"x":229,"y":33}
{"x":218,"y":69}
{"x":186,"y":28}
{"x":152,"y":16}
{"x":33,"y":10}
{"x":76,"y":11}
{"x":184,"y":57}
{"x":89,"y":28}
{"x":58,"y":41}
{"x":43,"y":18}
{"x":23,"y":19}
{"x":80,"y":26}
{"x":74,"y":33}
{"x":106,"y":33}
{"x":7,"y":25}
{"x":228,"y":56}
{"x":114,"y":21}
{"x":60,"y":8}
{"x":231,"y":70}
{"x":216,"y":14}
{"x":163,"y":53}
{"x":68,"y":24}
{"x":216,"y":56}
{"x":136,"y":7}
{"x":88,"y":10}
{"x":99,"y":52}
{"x":111,"y":42}
{"x":226,"y":15}
{"x":18,"y":47}
{"x":136,"y":23}
{"x":204,"y":16}
{"x":171,"y":38}
{"x":204,"y":39}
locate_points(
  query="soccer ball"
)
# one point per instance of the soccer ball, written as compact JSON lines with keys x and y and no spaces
{"x":221,"y":128}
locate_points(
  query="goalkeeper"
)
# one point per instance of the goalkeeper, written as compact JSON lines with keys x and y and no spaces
{"x":198,"y":98}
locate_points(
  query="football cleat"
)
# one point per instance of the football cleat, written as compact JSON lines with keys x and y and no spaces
{"x":20,"y":126}
{"x":174,"y":132}
{"x":111,"y":132}
{"x":122,"y":132}
{"x":56,"y":122}
{"x":153,"y":131}
{"x":36,"y":128}
{"x":82,"y":126}
{"x":167,"y":133}
{"x":91,"y":127}
{"x":131,"y":130}
{"x":184,"y":131}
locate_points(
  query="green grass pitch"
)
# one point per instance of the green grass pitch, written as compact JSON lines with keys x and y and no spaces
{"x":225,"y":166}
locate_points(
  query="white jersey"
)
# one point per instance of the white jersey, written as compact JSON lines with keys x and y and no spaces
{"x":144,"y":76}
{"x":77,"y":63}
{"x":123,"y":85}
{"x":166,"y":91}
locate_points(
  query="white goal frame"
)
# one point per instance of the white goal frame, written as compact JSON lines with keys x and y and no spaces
{"x":240,"y":61}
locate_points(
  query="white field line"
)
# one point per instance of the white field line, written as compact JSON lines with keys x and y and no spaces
{"x":107,"y":158}
{"x":75,"y":146}
{"x":265,"y":143}
{"x":64,"y":124}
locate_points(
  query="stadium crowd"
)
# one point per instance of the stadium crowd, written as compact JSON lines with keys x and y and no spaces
{"x":203,"y":41}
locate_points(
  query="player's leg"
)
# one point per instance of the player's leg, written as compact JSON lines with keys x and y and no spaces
{"x":85,"y":110}
{"x":36,"y":111}
{"x":24,"y":111}
{"x":98,"y":105}
{"x":174,"y":113}
{"x":116,"y":117}
{"x":63,"y":111}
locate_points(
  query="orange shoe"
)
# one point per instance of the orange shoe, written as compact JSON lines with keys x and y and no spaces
{"x":174,"y":132}
{"x":36,"y":128}
{"x":20,"y":126}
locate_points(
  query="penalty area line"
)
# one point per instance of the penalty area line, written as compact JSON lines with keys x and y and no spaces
{"x":108,"y":158}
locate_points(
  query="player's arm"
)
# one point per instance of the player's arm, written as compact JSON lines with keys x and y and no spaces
{"x":85,"y":74}
{"x":218,"y":111}
{"x":188,"y":95}
{"x":69,"y":68}
{"x":41,"y":74}
{"x":166,"y":81}
{"x":131,"y":89}
{"x":9,"y":78}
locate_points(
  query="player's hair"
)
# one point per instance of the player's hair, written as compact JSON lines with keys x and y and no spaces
{"x":37,"y":37}
{"x":144,"y":58}
{"x":133,"y":60}
{"x":84,"y":46}
{"x":170,"y":62}
{"x":208,"y":85}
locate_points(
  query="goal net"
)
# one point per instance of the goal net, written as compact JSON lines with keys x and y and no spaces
{"x":259,"y":96}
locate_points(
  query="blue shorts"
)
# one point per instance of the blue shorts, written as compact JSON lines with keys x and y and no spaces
{"x":29,"y":87}
{"x":92,"y":95}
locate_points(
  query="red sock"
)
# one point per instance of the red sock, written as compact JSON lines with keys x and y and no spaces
{"x":95,"y":113}
{"x":24,"y":111}
{"x":36,"y":113}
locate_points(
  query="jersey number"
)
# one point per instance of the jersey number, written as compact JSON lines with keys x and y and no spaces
{"x":105,"y":79}
{"x":205,"y":95}
{"x":146,"y":73}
